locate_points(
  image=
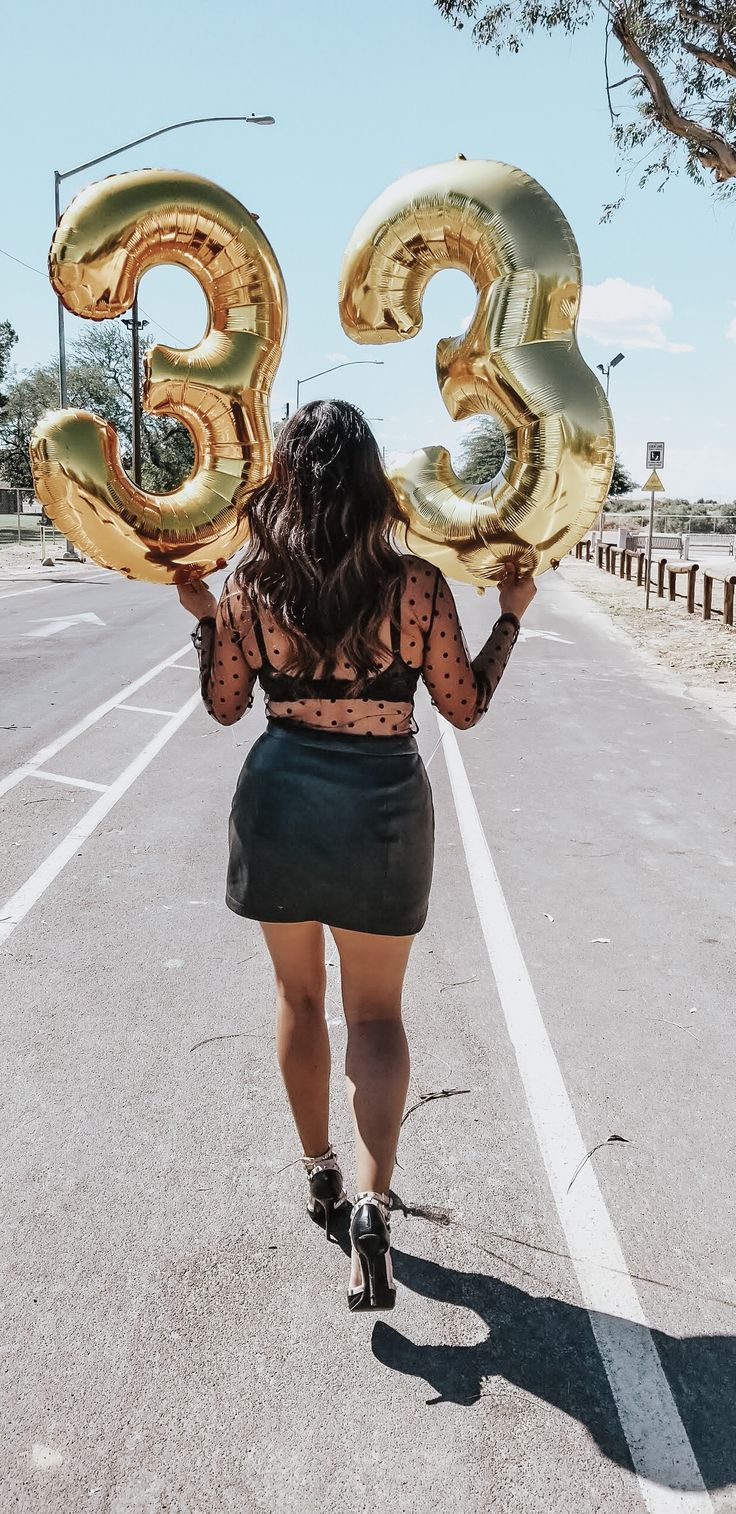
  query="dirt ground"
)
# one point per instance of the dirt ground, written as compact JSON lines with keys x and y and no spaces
{"x":19,"y":558}
{"x":700,"y":655}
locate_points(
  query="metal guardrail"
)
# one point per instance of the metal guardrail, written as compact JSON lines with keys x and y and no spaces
{"x":660,"y":542}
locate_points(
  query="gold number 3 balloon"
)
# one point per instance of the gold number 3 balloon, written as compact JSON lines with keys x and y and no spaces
{"x":519,"y":359}
{"x":107,"y":238}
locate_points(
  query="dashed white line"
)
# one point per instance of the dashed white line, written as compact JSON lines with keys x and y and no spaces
{"x":668,"y":1473}
{"x":21,"y":902}
{"x":51,"y":750}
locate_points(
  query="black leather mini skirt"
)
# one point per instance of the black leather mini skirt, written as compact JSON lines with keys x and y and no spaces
{"x":332,"y":827}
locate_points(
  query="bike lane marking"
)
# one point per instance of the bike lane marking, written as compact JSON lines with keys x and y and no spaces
{"x":21,"y":902}
{"x":27,"y":768}
{"x":669,"y":1478}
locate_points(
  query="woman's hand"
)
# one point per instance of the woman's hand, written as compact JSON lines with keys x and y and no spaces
{"x":516,"y":594}
{"x":196,"y":597}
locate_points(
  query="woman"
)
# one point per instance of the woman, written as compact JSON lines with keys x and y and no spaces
{"x":332,"y":821}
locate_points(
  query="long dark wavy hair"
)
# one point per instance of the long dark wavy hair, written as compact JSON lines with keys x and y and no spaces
{"x":321,"y":560}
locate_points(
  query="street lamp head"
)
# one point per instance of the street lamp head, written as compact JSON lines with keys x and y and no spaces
{"x":260,"y":120}
{"x":617,"y":359}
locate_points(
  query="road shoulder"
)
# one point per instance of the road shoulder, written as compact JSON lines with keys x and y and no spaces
{"x":690,"y":657}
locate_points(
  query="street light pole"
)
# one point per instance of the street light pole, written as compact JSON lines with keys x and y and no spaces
{"x":92,"y":163}
{"x":358,"y":362}
{"x":70,"y":551}
{"x":62,"y":341}
{"x":606,"y":371}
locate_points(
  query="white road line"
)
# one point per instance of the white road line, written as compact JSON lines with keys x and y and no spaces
{"x":77,"y":783}
{"x":187,"y":667}
{"x":51,"y":750}
{"x":668,"y":1474}
{"x":16,"y":908}
{"x":16,"y":593}
{"x":145,"y":709}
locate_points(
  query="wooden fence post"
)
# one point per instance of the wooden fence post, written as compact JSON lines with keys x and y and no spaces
{"x":691,"y":577}
{"x":728,"y":587}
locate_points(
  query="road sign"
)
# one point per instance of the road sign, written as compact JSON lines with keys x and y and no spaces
{"x":654,"y":484}
{"x":655,"y":454}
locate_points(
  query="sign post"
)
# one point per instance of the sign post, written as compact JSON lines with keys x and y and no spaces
{"x":655,"y":486}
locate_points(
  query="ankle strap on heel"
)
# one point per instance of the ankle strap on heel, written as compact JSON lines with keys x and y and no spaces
{"x":327,"y":1162}
{"x":381,"y":1200}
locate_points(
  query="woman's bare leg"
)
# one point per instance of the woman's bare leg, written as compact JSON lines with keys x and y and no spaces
{"x":377,"y":1060}
{"x":302,"y":1041}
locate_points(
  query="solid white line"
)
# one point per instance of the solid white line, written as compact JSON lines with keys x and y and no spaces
{"x":30,"y":892}
{"x":16,"y":593}
{"x":186,"y":667}
{"x":51,"y":750}
{"x":668,"y":1474}
{"x":145,"y":709}
{"x":77,"y":783}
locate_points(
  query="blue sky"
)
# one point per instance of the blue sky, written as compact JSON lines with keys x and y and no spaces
{"x":363,"y":94}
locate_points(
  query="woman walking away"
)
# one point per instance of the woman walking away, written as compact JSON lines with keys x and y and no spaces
{"x":332,"y":821}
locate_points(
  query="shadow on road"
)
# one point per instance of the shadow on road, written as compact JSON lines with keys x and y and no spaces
{"x":547,"y":1347}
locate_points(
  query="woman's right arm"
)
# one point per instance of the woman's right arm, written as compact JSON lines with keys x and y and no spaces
{"x":460,"y":688}
{"x":225,"y":676}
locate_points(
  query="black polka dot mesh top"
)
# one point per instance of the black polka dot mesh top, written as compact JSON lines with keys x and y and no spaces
{"x":422,"y":640}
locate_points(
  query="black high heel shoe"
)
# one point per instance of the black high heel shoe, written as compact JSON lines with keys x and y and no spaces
{"x":370,"y":1234}
{"x":326,"y":1191}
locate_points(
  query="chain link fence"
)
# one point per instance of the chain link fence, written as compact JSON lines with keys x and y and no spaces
{"x":23,"y":520}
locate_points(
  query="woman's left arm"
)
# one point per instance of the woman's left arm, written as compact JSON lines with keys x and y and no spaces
{"x":226,"y":678}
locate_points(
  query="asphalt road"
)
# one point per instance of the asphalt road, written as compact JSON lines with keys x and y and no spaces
{"x":176,"y":1337}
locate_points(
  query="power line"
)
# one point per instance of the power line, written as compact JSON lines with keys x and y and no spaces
{"x":41,"y":275}
{"x":161,"y":327}
{"x":29,"y":266}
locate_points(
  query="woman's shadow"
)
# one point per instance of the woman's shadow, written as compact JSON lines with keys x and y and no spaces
{"x":547,"y":1347}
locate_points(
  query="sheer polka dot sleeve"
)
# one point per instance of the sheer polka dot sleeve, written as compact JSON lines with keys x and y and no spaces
{"x":462,"y":690}
{"x":225,"y":676}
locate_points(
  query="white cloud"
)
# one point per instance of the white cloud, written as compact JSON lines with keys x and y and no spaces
{"x":616,"y":313}
{"x":731,"y":328}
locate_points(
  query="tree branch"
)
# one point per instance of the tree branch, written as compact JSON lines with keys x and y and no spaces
{"x":702,"y":17}
{"x":725,"y":60}
{"x":709,"y":147}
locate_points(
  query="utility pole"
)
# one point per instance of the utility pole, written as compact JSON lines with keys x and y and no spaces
{"x":135,"y":325}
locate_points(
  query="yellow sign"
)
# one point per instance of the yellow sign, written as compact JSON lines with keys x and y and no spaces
{"x":654,"y":484}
